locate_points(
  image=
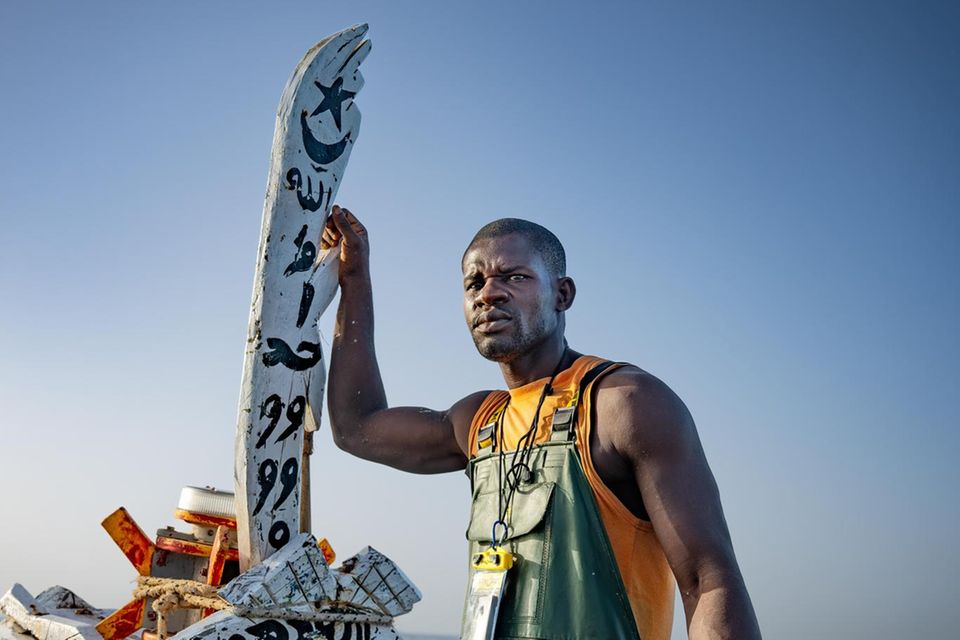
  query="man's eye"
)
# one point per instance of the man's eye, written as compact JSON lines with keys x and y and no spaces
{"x":516,"y":277}
{"x":473,"y":286}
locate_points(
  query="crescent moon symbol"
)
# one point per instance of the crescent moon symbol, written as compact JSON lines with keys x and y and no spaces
{"x":320,"y":152}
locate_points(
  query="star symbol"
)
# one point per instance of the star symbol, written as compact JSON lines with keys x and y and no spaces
{"x":333,"y":98}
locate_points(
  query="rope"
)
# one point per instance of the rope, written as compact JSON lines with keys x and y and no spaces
{"x":169,"y":594}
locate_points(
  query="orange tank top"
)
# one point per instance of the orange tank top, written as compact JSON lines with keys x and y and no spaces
{"x":643,"y":566}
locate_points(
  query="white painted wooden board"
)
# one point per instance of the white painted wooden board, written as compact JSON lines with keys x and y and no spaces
{"x":44,"y":622}
{"x":10,"y":630}
{"x":317,"y":125}
{"x":224,"y":625}
{"x":297,"y":580}
{"x":371,"y":580}
{"x":297,"y":576}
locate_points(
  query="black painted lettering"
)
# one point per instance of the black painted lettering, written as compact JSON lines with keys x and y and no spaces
{"x":279,"y":534}
{"x":306,"y":299}
{"x":288,"y":480}
{"x":269,"y":630}
{"x":295,"y":415}
{"x":281,"y":353}
{"x":266,"y":479}
{"x":271,"y":408}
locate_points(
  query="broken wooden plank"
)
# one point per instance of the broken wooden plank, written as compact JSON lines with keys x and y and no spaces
{"x":44,"y":623}
{"x":131,"y":539}
{"x":58,"y":597}
{"x":295,"y":578}
{"x":218,"y":556}
{"x":10,"y":630}
{"x":224,"y":625}
{"x":124,"y":621}
{"x":371,"y":580}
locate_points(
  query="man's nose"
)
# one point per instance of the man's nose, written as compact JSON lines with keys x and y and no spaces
{"x":492,"y":292}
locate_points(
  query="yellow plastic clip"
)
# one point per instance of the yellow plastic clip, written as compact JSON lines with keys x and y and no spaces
{"x":493,"y":560}
{"x":486,"y":435}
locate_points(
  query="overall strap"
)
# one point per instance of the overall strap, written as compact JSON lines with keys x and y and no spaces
{"x":487,"y":434}
{"x":564,"y":419}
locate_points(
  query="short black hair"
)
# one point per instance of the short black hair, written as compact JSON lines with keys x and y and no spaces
{"x":540,"y":238}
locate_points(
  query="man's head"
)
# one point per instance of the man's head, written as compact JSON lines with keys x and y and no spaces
{"x":515,"y":288}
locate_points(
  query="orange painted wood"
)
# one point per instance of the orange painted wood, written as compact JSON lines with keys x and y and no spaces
{"x":124,"y":621}
{"x":204,"y":519}
{"x":218,"y":558}
{"x":131,"y":539}
{"x":328,"y":553}
{"x":200,"y":549}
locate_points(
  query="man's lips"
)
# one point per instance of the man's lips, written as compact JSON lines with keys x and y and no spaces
{"x":492,"y":326}
{"x":491,"y":322}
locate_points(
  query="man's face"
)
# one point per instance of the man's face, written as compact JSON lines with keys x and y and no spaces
{"x":509,"y":297}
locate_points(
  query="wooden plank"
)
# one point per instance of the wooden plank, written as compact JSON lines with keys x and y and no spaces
{"x":204,"y":519}
{"x":58,"y":597}
{"x":295,"y":578}
{"x":223,"y":625}
{"x":316,"y":128}
{"x":131,"y":539}
{"x":371,"y":580}
{"x":192,"y":548}
{"x":328,"y":553}
{"x":218,"y":560}
{"x":10,"y":630}
{"x":124,"y":621}
{"x":43,"y":623}
{"x":218,"y":556}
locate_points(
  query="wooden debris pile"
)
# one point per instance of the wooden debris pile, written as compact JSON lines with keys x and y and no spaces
{"x":297,"y":583}
{"x":55,"y":614}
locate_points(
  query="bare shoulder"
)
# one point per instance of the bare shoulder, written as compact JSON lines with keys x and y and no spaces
{"x":639,"y":414}
{"x":460,"y":415}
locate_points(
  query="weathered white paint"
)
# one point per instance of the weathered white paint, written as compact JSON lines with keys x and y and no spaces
{"x":306,"y":600}
{"x":317,"y":125}
{"x":295,"y":578}
{"x":10,"y":630}
{"x":296,"y":581}
{"x":18,"y":604}
{"x":370,"y":579}
{"x":58,"y":597}
{"x":46,"y":623}
{"x":224,"y":625}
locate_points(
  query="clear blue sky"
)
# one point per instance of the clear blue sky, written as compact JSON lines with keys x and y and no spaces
{"x":760,"y":204}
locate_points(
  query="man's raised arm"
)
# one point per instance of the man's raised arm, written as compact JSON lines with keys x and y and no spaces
{"x":408,"y":438}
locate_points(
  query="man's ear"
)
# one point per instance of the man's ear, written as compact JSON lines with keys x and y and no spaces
{"x":566,"y":292}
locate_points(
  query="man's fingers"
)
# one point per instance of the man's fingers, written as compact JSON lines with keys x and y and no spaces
{"x":327,"y":241}
{"x":348,"y":230}
{"x":329,"y":237}
{"x":330,"y":233}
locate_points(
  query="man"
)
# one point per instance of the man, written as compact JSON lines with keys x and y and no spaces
{"x":636,"y":448}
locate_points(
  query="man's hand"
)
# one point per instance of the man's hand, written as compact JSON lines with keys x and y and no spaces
{"x":409,"y":438}
{"x":344,"y":229}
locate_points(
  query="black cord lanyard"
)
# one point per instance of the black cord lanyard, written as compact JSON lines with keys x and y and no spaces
{"x":523,"y":449}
